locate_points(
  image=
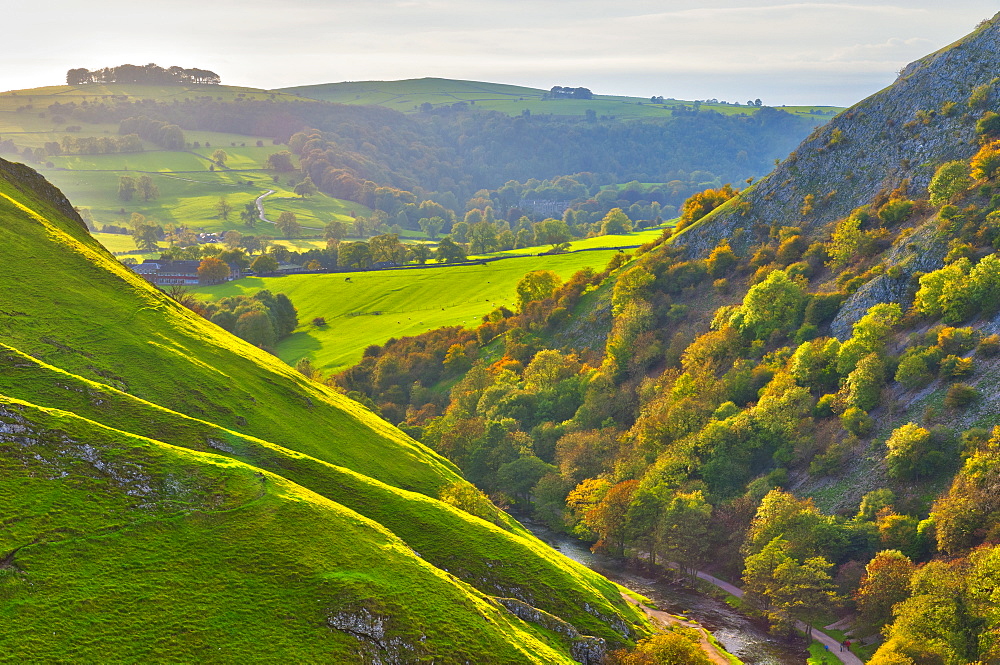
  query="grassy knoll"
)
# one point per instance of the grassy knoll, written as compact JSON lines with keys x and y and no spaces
{"x":608,"y":241}
{"x":410,"y":302}
{"x":175,"y":491}
{"x":408,"y":95}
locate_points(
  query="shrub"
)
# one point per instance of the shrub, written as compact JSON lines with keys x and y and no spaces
{"x":950,"y":179}
{"x":857,"y":421}
{"x":960,"y":395}
{"x":895,"y":211}
{"x":986,"y":163}
{"x":956,"y":366}
{"x":908,"y":451}
{"x":989,"y":346}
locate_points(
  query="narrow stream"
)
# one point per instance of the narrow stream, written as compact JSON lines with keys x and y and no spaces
{"x":740,"y":636}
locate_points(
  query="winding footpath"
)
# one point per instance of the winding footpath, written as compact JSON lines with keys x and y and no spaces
{"x":845,"y":657}
{"x":666,"y":620}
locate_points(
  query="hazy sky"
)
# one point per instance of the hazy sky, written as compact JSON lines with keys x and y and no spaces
{"x":783,"y":52}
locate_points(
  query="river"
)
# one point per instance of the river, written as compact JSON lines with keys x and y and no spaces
{"x":740,"y":636}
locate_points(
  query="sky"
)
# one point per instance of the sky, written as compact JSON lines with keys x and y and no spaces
{"x":815,"y":53}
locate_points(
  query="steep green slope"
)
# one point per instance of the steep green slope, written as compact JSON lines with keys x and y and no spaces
{"x":125,"y":548}
{"x":123,"y":364}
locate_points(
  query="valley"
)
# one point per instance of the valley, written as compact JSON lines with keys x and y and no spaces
{"x":438,"y":370}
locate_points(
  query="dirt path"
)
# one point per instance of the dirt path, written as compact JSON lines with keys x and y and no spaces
{"x":664,"y":619}
{"x":845,"y":657}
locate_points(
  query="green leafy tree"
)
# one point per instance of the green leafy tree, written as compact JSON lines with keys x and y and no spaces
{"x":354,"y":255}
{"x":249,"y":214}
{"x":220,"y":157}
{"x":223,"y":208}
{"x":147,"y":189}
{"x":288,"y":224}
{"x":684,"y":529}
{"x":908,"y":449}
{"x":146,"y":237}
{"x":949,"y":179}
{"x":536,"y":285}
{"x":616,"y":222}
{"x":127,"y":187}
{"x":335,"y":230}
{"x":255,"y":327}
{"x":280,"y":161}
{"x":448,"y":251}
{"x":265,"y":264}
{"x":431,"y":226}
{"x":306,"y":188}
{"x":774,"y":305}
{"x":553,"y":232}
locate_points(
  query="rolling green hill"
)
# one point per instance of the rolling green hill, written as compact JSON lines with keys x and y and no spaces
{"x":377,"y":305}
{"x":408,"y":96}
{"x":172,"y":492}
{"x":188,"y":190}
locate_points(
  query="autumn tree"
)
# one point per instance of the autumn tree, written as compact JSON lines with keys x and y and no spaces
{"x":616,"y":222}
{"x":607,"y":518}
{"x":704,"y":202}
{"x":220,"y":157}
{"x":212,"y":270}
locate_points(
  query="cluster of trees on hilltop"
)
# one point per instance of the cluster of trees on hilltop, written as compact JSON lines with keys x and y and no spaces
{"x":151,"y":74}
{"x":563,"y":92}
{"x":717,"y":381}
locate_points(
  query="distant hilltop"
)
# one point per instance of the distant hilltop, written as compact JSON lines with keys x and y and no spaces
{"x":151,"y":74}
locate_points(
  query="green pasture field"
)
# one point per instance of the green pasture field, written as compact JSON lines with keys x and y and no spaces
{"x":408,"y":95}
{"x":376,"y":305}
{"x":609,"y":241}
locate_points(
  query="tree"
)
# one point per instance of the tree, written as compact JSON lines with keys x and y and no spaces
{"x":255,"y":327}
{"x":280,"y":161}
{"x":684,"y":528}
{"x":449,"y":251}
{"x":354,"y":255}
{"x":431,"y":226}
{"x":223,"y":208}
{"x":536,"y":285}
{"x":676,"y":647}
{"x":220,"y":157}
{"x":306,"y":188}
{"x":231,"y":239}
{"x":615,"y":222}
{"x":801,"y":591}
{"x":774,"y":305}
{"x":704,"y":202}
{"x":249,"y":214}
{"x":607,"y":518}
{"x":554,"y":232}
{"x":212,"y":270}
{"x":909,"y":449}
{"x":126,"y":187}
{"x":265,"y":264}
{"x":288,"y":224}
{"x":986,"y":163}
{"x":335,"y":230}
{"x":146,"y":237}
{"x":147,"y":188}
{"x":387,"y":248}
{"x":421,"y":253}
{"x":950,"y":179}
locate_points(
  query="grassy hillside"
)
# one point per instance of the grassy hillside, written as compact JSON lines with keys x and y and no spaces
{"x":374,"y":306}
{"x":208,"y":483}
{"x":408,"y":95}
{"x":189,"y":191}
